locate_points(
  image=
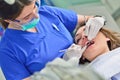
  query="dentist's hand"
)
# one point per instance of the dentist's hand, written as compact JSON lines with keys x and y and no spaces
{"x":74,"y":51}
{"x":93,"y":26}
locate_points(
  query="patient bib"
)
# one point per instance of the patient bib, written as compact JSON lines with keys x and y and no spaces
{"x":107,"y":64}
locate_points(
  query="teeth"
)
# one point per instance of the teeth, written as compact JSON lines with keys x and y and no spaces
{"x":89,"y":43}
{"x":92,"y":42}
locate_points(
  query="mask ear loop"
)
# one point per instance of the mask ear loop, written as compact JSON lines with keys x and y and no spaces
{"x":14,"y":22}
{"x":38,"y":3}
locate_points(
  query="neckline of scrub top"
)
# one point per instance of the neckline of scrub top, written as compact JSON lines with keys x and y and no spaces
{"x":18,"y":33}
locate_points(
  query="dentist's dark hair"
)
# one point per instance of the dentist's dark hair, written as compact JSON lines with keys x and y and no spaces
{"x":11,"y":11}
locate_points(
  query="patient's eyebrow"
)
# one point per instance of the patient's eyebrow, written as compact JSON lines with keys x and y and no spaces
{"x":78,"y":34}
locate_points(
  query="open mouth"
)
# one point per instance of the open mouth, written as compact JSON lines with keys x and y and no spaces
{"x":90,"y":43}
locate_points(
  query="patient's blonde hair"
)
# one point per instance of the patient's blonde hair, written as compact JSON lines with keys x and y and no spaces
{"x":113,"y":36}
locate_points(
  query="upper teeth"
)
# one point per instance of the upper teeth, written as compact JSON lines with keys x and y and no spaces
{"x":90,"y":42}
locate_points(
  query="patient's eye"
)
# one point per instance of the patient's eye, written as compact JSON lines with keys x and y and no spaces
{"x":77,"y":38}
{"x":77,"y":41}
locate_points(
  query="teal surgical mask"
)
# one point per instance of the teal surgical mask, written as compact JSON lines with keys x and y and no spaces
{"x":30,"y":24}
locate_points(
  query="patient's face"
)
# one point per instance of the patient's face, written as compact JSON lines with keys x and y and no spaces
{"x":98,"y":47}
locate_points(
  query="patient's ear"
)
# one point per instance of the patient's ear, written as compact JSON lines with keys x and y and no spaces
{"x":107,"y":39}
{"x":108,"y":43}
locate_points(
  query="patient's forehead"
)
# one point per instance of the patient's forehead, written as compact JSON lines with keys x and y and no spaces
{"x":80,"y":30}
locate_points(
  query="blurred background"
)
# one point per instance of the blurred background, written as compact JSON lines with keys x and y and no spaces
{"x":108,"y":8}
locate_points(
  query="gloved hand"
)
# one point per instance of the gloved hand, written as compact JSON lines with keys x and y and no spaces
{"x":59,"y":69}
{"x":93,"y":26}
{"x":74,"y":51}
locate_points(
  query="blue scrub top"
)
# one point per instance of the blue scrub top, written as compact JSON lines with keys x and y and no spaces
{"x":22,"y":53}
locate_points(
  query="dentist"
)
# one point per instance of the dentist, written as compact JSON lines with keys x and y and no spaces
{"x":34,"y":35}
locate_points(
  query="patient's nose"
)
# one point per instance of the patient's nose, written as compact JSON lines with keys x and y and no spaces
{"x":84,"y":40}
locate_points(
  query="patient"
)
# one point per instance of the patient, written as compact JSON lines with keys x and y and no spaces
{"x":103,"y":53}
{"x":104,"y":42}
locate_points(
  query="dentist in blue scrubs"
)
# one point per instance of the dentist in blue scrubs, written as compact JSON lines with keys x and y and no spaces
{"x":34,"y":35}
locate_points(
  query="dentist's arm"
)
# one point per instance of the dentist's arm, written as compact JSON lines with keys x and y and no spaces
{"x":83,"y":19}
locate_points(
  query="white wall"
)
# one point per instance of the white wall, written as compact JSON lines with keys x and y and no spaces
{"x":97,"y":10}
